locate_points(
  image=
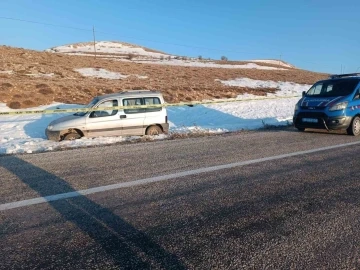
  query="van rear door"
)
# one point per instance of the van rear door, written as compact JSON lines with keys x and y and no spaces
{"x":156,"y":115}
{"x":132,"y":119}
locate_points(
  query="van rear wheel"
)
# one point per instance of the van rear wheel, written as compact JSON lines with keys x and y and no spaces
{"x":153,"y":130}
{"x":354,"y":128}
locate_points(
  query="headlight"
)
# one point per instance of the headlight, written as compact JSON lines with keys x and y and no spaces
{"x":339,"y":106}
{"x":297,"y":107}
{"x":50,"y":127}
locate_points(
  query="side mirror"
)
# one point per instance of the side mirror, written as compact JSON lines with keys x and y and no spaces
{"x":303,"y":93}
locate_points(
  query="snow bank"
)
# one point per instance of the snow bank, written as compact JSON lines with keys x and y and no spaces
{"x":26,"y":134}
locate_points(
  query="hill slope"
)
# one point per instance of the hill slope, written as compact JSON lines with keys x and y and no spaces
{"x":32,"y":78}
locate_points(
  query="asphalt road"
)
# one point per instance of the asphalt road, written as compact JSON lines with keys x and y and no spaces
{"x":300,"y":211}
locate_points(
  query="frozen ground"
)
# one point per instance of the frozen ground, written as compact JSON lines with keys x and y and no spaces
{"x":25,"y":134}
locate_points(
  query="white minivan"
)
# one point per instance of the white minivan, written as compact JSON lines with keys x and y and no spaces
{"x":123,"y":122}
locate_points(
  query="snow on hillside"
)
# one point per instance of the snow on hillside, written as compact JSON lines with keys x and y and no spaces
{"x":285,"y":88}
{"x":122,"y":51}
{"x":273,"y":62}
{"x":25,"y":134}
{"x":105,"y":47}
{"x":195,"y":63}
{"x":9,"y":72}
{"x":104,"y":74}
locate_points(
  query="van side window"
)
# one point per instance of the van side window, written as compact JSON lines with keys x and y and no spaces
{"x":152,"y":101}
{"x":108,"y":103}
{"x":133,"y":102}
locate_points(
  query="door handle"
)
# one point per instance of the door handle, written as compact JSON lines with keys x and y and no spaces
{"x":122,"y":116}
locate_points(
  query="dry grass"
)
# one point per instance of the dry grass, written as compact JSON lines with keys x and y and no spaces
{"x":14,"y":105}
{"x":175,"y":82}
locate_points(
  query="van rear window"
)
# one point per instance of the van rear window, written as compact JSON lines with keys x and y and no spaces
{"x":333,"y":88}
{"x":152,"y":101}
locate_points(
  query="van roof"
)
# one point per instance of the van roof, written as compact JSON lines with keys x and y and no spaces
{"x":338,"y":78}
{"x":131,"y":93}
{"x":351,"y":75}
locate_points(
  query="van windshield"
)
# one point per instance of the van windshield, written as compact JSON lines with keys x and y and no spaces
{"x":333,"y":88}
{"x":90,"y":105}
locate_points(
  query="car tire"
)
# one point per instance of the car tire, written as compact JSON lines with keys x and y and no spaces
{"x":71,"y":136}
{"x":354,"y":128}
{"x":300,"y":129}
{"x":153,"y":130}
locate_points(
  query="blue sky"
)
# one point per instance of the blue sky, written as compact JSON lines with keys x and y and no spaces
{"x":316,"y":35}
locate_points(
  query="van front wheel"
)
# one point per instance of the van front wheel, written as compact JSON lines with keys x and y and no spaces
{"x":354,"y":128}
{"x":153,"y":130}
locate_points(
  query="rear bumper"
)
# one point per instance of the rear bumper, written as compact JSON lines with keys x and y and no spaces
{"x":322,"y":121}
{"x":165,"y":128}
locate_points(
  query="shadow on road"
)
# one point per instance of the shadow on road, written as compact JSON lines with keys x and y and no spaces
{"x":128,"y":247}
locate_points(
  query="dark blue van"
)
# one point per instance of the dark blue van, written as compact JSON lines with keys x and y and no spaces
{"x":331,"y":104}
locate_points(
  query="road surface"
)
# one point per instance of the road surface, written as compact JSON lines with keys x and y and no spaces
{"x":254,"y":200}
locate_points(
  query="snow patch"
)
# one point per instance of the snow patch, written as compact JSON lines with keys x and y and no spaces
{"x":9,"y":72}
{"x":41,"y":75}
{"x":100,"y":73}
{"x":274,"y":62}
{"x":184,"y":63}
{"x":105,"y":74}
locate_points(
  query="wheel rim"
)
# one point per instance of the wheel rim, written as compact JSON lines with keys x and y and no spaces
{"x":72,"y":137}
{"x":357,"y":126}
{"x":154,"y":132}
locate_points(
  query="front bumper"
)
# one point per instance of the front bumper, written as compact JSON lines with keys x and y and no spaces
{"x":321,"y":121}
{"x":52,"y":135}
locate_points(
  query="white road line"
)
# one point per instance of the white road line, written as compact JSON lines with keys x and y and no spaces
{"x":73,"y":194}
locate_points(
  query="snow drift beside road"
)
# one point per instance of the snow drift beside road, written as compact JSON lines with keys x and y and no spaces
{"x":26,"y":134}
